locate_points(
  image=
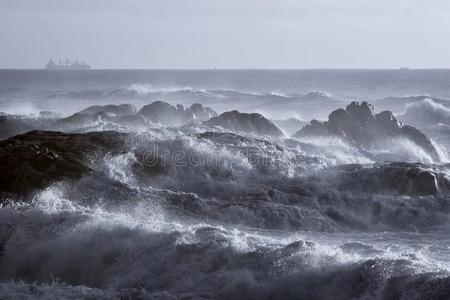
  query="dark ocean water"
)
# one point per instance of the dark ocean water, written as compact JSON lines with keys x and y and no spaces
{"x":313,"y":219}
{"x":365,"y":84}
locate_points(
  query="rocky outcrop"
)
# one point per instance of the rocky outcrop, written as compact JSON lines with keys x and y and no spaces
{"x":360,"y":125}
{"x":79,"y":121}
{"x":112,"y":110}
{"x":398,"y":178}
{"x":39,"y":158}
{"x":125,"y":115}
{"x":199,"y":113}
{"x":245,"y":123}
{"x":167,"y":114}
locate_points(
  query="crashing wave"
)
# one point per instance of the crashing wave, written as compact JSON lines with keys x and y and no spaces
{"x":201,"y":211}
{"x":426,"y":113}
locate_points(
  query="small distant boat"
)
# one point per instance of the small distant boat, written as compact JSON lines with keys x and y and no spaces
{"x":67,"y":65}
{"x":404,"y":69}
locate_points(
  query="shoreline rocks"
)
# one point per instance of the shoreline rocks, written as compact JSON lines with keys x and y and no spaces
{"x":38,"y":158}
{"x":361,"y":126}
{"x":245,"y":123}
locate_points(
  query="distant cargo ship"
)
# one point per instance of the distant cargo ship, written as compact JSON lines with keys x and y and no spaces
{"x":67,"y":65}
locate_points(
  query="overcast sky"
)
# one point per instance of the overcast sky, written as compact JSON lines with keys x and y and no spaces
{"x":227,"y":33}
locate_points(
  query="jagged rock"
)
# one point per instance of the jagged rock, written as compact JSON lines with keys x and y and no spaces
{"x":113,"y":110}
{"x":39,"y":158}
{"x":246,"y":123}
{"x":163,"y":113}
{"x":166,"y":114}
{"x":359,"y":125}
{"x":200,"y":113}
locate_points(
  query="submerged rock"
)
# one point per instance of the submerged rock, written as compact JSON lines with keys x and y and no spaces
{"x":39,"y":158}
{"x":246,"y":123}
{"x":360,"y":125}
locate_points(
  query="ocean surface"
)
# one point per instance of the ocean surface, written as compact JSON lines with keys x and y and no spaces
{"x":250,"y":217}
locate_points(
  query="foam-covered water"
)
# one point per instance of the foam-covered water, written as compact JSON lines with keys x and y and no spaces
{"x":225,"y":215}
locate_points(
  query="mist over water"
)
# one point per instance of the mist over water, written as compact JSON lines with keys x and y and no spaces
{"x":189,"y":209}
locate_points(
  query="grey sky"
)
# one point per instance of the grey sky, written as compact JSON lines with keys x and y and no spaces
{"x":227,"y":33}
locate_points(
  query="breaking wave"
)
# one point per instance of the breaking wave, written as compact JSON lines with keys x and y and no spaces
{"x":427,"y":112}
{"x":204,"y":213}
{"x":58,"y":248}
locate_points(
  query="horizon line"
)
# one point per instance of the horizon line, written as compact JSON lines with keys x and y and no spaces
{"x":236,"y":69}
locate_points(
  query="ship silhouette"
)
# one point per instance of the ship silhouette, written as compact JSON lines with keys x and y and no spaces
{"x":67,"y":65}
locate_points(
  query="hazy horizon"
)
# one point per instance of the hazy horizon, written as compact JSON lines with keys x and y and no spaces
{"x":247,"y":34}
{"x":93,"y":68}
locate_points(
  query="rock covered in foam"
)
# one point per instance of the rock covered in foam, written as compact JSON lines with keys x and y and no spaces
{"x":247,"y":123}
{"x":38,"y":158}
{"x":167,"y":114}
{"x":359,"y":124}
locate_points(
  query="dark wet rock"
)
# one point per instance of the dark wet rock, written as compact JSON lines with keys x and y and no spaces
{"x":246,"y":123}
{"x":163,"y":113}
{"x":167,"y":114}
{"x":200,"y":113}
{"x":38,"y":158}
{"x":360,"y":125}
{"x":97,"y":114}
{"x":397,"y":178}
{"x":112,"y":110}
{"x":228,"y":138}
